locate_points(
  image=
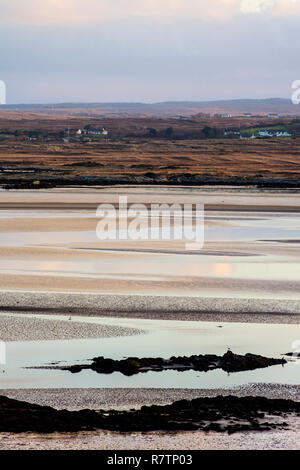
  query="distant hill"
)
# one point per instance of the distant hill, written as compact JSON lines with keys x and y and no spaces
{"x":280,"y":106}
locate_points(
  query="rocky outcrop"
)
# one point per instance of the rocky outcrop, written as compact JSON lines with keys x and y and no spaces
{"x":221,"y":414}
{"x":229,"y":362}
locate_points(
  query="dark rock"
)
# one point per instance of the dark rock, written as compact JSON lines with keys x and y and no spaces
{"x":219,"y":414}
{"x":229,"y":362}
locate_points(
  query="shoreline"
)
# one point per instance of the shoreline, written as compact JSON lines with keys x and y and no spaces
{"x":157,"y":180}
{"x":209,"y":207}
{"x":125,"y":398}
{"x":238,"y":430}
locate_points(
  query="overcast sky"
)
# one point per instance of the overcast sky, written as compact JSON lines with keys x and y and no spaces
{"x":148,"y":50}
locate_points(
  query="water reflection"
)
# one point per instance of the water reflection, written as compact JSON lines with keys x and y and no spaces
{"x":158,"y":266}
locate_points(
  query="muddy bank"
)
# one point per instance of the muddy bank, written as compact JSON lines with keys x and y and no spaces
{"x":229,"y":362}
{"x":221,"y":414}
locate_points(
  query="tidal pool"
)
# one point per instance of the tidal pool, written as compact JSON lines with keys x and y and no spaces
{"x":163,"y":338}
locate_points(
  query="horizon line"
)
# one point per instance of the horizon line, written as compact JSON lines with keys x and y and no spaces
{"x":144,"y":103}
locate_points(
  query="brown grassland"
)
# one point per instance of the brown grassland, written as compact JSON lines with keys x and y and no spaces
{"x":127,"y":152}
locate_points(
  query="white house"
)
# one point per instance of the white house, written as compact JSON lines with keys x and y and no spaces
{"x":98,"y":132}
{"x":265,"y":133}
{"x":231,"y":132}
{"x":247,"y":137}
{"x":283,"y":134}
{"x":95,"y":132}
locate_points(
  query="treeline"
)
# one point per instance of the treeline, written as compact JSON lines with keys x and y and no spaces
{"x":206,"y":132}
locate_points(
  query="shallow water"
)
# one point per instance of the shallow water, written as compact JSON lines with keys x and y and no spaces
{"x":164,"y":338}
{"x":237,"y":226}
{"x":154,"y":268}
{"x":157,"y":266}
{"x":247,"y":233}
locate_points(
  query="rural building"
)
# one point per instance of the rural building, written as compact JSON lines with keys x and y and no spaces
{"x":231,"y":132}
{"x":265,"y":133}
{"x":283,"y":134}
{"x":247,"y":137}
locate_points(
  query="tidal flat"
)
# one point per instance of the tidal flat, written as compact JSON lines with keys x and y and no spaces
{"x":67,"y":297}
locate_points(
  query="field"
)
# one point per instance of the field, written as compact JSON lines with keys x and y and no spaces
{"x":129,"y":155}
{"x":268,"y":159}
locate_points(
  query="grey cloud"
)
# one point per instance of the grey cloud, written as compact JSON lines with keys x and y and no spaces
{"x":140,"y":59}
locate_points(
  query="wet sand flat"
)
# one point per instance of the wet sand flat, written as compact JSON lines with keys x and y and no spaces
{"x":59,"y":251}
{"x":53,"y":224}
{"x":143,"y":286}
{"x":127,"y":398}
{"x":90,"y":198}
{"x":116,"y":284}
{"x":287,"y":440}
{"x":37,"y":329}
{"x":154,"y":307}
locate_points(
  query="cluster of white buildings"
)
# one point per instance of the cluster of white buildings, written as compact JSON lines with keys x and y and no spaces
{"x":266,"y":133}
{"x":81,"y":132}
